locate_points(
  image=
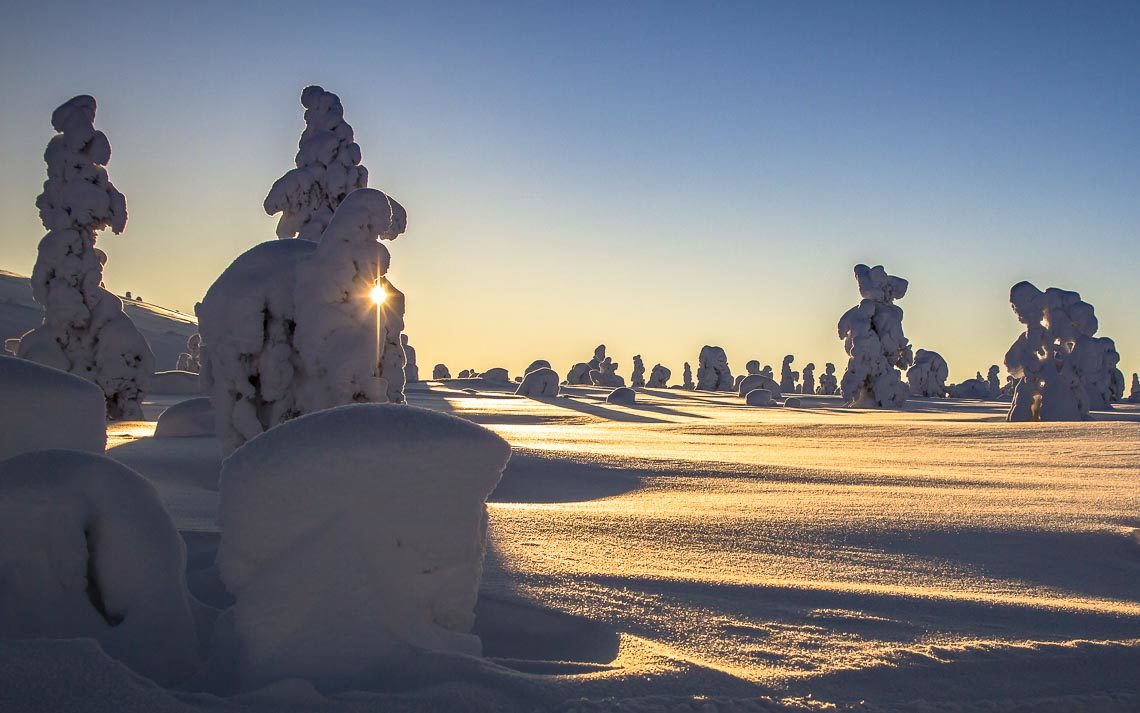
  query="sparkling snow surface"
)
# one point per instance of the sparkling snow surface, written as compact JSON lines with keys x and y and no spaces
{"x":690,"y":545}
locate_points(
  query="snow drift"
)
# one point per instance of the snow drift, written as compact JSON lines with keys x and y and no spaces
{"x":336,"y":571}
{"x":87,"y":550}
{"x":46,"y":408}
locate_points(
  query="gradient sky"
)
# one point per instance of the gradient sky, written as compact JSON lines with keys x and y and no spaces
{"x":654,"y":176}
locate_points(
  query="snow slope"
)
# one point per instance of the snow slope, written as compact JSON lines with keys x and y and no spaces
{"x":688,"y":552}
{"x":165,"y":330}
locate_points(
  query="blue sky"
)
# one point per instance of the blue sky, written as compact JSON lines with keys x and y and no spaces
{"x":654,"y":176}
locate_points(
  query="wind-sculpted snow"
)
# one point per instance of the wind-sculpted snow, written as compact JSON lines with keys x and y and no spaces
{"x":46,"y":408}
{"x":758,"y":397}
{"x":828,"y":383}
{"x":788,"y":377}
{"x":1056,"y":358}
{"x":340,"y":572}
{"x":328,"y":169}
{"x":873,"y":337}
{"x":290,"y":327}
{"x":659,"y":377}
{"x":637,"y":379}
{"x":541,"y":382}
{"x":87,"y":550}
{"x":411,"y":370}
{"x":84,"y":331}
{"x":713,"y":373}
{"x":927,"y":376}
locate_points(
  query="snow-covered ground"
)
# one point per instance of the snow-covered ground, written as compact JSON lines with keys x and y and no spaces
{"x":689,"y":552}
{"x":165,"y":329}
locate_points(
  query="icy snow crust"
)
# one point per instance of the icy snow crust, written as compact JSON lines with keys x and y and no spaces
{"x":44,"y":408}
{"x":338,"y":571}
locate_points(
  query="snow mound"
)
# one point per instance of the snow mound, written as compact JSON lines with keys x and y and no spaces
{"x":336,"y":571}
{"x":87,"y":550}
{"x":753,"y":382}
{"x":793,"y":402}
{"x":713,"y":373}
{"x":541,"y":382}
{"x":440,"y":371}
{"x":46,"y":408}
{"x":497,"y":374}
{"x":758,"y":397}
{"x":186,"y":419}
{"x":179,"y":383}
{"x":622,"y":396}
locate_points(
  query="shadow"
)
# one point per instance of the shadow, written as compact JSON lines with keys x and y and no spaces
{"x":601,"y":412}
{"x":664,"y":410}
{"x":532,"y":478}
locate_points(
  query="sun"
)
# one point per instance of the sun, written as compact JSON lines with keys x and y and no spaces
{"x":378,"y":294}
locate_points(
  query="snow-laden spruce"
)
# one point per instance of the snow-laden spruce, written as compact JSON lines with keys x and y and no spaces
{"x":1050,"y":357}
{"x":873,"y":337}
{"x":828,"y":383}
{"x":84,"y":331}
{"x":191,"y":359}
{"x":1096,"y":360}
{"x":411,"y":369}
{"x":687,"y":378}
{"x":637,"y":378}
{"x":713,"y":373}
{"x":340,"y":572}
{"x":579,"y":374}
{"x":659,"y":377}
{"x":605,"y":372}
{"x":927,"y":375}
{"x":46,"y":408}
{"x":808,"y":384}
{"x":87,"y":550}
{"x":1134,"y":392}
{"x":539,"y":383}
{"x":788,"y":377}
{"x":440,"y":371}
{"x":328,"y":169}
{"x":291,"y":326}
{"x":993,"y":383}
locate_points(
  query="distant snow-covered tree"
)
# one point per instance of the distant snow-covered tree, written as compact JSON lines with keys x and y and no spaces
{"x":873,"y":338}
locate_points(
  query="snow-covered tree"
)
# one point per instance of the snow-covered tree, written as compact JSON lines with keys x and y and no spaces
{"x":828,"y":384}
{"x":927,"y":376}
{"x":637,"y":379}
{"x":411,"y":370}
{"x":328,"y":169}
{"x":606,"y":374}
{"x":1095,"y":360}
{"x":440,"y":372}
{"x":191,"y":359}
{"x":713,"y":373}
{"x":687,"y":382}
{"x":808,"y":385}
{"x":788,"y":377}
{"x":291,"y":327}
{"x":659,"y":377}
{"x":85,"y":330}
{"x":873,"y":338}
{"x":1134,"y":393}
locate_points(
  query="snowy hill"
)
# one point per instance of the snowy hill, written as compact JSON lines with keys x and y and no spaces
{"x":166,"y":330}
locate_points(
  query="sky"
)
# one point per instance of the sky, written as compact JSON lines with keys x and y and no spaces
{"x":654,"y":176}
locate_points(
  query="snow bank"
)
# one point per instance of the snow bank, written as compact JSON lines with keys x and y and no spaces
{"x":87,"y":550}
{"x":328,"y":169}
{"x":637,"y":378}
{"x":713,"y":373}
{"x":440,"y":372}
{"x":540,"y":382}
{"x":43,"y":408}
{"x":758,"y":397}
{"x":337,"y":571}
{"x":659,"y":377}
{"x":290,"y":327}
{"x":84,"y":331}
{"x":927,"y":376}
{"x":186,"y":419}
{"x":411,"y":369}
{"x":828,"y":384}
{"x":183,"y":383}
{"x":758,"y":381}
{"x":873,"y":338}
{"x":622,"y":396}
{"x":788,"y":378}
{"x":1058,"y":326}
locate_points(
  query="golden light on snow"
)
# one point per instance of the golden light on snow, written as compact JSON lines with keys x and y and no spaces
{"x":378,"y":294}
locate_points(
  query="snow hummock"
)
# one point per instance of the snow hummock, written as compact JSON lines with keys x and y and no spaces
{"x":540,"y":382}
{"x":440,"y":371}
{"x":659,"y":377}
{"x":1051,"y":355}
{"x":186,"y":419}
{"x":46,"y":408}
{"x":873,"y":338}
{"x":328,"y":169}
{"x":84,"y":330}
{"x":713,"y":373}
{"x":927,"y":375}
{"x":758,"y":397}
{"x":88,"y":550}
{"x":290,"y":326}
{"x":339,"y":571}
{"x":622,"y":396}
{"x":637,"y":378}
{"x":191,"y":359}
